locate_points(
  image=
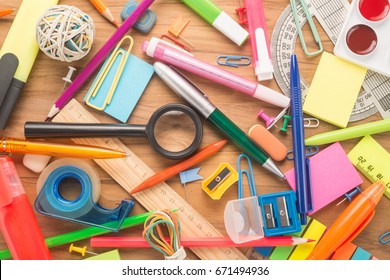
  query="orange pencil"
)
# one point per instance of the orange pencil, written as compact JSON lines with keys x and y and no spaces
{"x":175,"y":169}
{"x":6,"y":12}
{"x":350,"y":222}
{"x":103,"y":10}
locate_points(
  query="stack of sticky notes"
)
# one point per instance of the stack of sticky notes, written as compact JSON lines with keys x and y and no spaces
{"x":334,"y":90}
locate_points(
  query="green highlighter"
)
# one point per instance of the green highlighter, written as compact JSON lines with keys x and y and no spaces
{"x":349,"y":133}
{"x":219,"y":19}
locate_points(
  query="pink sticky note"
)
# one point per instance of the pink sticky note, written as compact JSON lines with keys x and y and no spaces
{"x":332,"y":175}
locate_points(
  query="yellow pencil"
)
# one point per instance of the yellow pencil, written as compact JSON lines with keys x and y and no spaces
{"x":57,"y":149}
{"x":103,"y":10}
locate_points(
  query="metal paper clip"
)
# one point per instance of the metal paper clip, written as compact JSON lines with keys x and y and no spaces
{"x":311,"y":24}
{"x":310,"y":123}
{"x":249,"y":175}
{"x":384,"y":238}
{"x":234,"y":60}
{"x":310,"y":150}
{"x":104,"y":72}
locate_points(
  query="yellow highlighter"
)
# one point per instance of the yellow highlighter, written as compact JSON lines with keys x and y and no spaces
{"x":18,"y":54}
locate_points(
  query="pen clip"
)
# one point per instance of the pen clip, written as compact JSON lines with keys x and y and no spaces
{"x":358,"y":230}
{"x":309,"y":202}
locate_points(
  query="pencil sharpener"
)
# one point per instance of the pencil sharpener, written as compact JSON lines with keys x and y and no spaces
{"x":254,"y":217}
{"x":279,"y":213}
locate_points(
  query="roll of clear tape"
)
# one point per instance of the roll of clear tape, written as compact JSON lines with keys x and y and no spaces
{"x":49,"y":197}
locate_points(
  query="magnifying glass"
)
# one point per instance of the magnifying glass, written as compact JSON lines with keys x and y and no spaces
{"x":174,"y":130}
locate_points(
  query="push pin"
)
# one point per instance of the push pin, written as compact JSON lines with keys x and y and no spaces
{"x":286,"y":120}
{"x":269,"y":121}
{"x":81,"y":250}
{"x":350,"y":195}
{"x":241,"y":13}
{"x":68,"y":78}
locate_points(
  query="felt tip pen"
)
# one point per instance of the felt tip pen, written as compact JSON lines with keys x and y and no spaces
{"x":172,"y":55}
{"x":261,"y":52}
{"x":349,"y":133}
{"x":18,"y":223}
{"x":218,"y":19}
{"x":56,"y":149}
{"x":197,"y":99}
{"x":350,"y":223}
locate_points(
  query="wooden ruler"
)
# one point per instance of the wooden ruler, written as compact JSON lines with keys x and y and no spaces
{"x":132,"y":171}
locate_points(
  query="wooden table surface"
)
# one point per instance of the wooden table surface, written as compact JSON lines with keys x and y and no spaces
{"x":45,"y":83}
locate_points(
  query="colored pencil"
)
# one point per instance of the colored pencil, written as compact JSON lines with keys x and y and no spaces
{"x":104,"y":11}
{"x":181,"y":166}
{"x":197,"y":242}
{"x":6,"y":12}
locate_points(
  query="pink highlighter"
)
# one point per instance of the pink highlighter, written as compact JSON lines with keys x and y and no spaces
{"x":261,"y":52}
{"x":172,"y":55}
{"x":17,"y":221}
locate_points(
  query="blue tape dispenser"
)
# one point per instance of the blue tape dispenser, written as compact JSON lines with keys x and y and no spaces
{"x":58,"y":198}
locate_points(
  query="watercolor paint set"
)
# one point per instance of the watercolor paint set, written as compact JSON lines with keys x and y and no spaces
{"x":364,"y":38}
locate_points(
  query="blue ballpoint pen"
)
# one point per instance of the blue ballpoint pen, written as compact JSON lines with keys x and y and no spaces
{"x":301,"y":163}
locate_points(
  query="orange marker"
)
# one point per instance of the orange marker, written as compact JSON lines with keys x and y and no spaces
{"x":175,"y":169}
{"x":350,"y":223}
{"x":104,"y":11}
{"x":6,"y":12}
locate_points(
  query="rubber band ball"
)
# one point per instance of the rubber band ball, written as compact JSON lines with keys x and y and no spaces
{"x":65,"y":33}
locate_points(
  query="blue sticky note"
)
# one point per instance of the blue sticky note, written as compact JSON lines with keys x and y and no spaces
{"x":132,"y":83}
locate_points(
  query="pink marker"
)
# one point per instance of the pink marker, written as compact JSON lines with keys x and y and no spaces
{"x":261,"y":53}
{"x":170,"y":54}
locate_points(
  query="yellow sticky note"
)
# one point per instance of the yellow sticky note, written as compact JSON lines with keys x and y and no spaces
{"x":314,"y":231}
{"x":370,"y":158}
{"x":109,"y":256}
{"x":334,"y":90}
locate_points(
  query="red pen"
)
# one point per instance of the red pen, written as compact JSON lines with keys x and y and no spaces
{"x":17,"y":221}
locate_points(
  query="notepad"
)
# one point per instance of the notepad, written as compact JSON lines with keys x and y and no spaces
{"x":334,"y":90}
{"x":133,"y":81}
{"x":332,"y":175}
{"x":370,"y":158}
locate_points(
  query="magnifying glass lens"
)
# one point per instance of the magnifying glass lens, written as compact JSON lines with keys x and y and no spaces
{"x":175,"y":131}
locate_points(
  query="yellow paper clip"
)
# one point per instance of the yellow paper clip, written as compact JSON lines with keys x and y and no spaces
{"x":218,"y":182}
{"x":104,"y":72}
{"x":313,"y":28}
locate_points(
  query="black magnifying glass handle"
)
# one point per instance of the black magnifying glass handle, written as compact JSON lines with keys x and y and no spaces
{"x":58,"y":130}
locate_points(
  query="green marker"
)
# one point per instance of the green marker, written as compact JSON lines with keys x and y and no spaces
{"x":349,"y":133}
{"x":85,"y":233}
{"x":196,"y":98}
{"x":219,"y":19}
